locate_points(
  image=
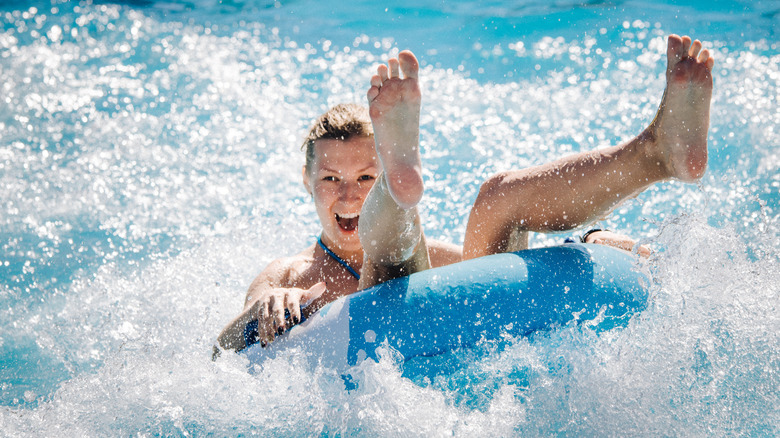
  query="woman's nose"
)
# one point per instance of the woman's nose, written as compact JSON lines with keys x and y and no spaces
{"x":351,"y":191}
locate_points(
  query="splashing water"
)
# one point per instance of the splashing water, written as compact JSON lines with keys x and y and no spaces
{"x":149,"y":169}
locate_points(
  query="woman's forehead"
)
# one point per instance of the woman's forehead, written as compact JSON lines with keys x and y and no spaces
{"x":336,"y":151}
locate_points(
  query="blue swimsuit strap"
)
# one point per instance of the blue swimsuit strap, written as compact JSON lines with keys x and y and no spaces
{"x":337,"y":258}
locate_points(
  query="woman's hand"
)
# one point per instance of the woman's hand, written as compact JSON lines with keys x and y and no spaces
{"x":608,"y":238}
{"x":269,"y":309}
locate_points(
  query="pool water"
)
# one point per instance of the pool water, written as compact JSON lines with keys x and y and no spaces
{"x":149,"y":169}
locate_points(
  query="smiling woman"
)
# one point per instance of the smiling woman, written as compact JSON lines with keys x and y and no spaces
{"x":340,"y":169}
{"x":340,"y":174}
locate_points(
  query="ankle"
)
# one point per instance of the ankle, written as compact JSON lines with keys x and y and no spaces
{"x":652,"y":155}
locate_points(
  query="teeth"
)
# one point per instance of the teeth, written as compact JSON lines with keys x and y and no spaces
{"x":348,"y":215}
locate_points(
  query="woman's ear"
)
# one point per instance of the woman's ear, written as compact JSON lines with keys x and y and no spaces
{"x":306,"y":182}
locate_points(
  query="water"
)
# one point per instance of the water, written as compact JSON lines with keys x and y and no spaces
{"x":149,"y":169}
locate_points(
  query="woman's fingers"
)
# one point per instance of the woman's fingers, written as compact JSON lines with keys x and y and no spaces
{"x":615,"y":240}
{"x":277,"y":313}
{"x":265,"y":326}
{"x":293,"y":307}
{"x":280,"y":309}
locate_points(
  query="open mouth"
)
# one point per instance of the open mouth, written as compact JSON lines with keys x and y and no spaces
{"x":348,"y":222}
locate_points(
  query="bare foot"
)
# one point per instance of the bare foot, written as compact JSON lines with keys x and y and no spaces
{"x":394,"y":106}
{"x":681,"y":124}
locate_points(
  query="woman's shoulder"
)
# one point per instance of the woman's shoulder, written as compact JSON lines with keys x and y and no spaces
{"x":288,"y":271}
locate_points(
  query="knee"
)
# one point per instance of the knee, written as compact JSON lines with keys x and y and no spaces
{"x":490,"y":189}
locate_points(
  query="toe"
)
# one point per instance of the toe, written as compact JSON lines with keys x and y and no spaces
{"x":409,"y":64}
{"x":394,"y":72}
{"x":704,"y":55}
{"x":686,"y":45}
{"x":674,"y":49}
{"x":693,"y":52}
{"x":381,"y":71}
{"x":376,"y":81}
{"x":373,"y":92}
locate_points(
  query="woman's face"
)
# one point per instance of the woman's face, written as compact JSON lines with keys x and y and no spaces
{"x":341,"y":175}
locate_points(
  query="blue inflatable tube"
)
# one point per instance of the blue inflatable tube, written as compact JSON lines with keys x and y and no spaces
{"x":435,"y":311}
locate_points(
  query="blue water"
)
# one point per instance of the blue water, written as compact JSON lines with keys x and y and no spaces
{"x":149,"y":168}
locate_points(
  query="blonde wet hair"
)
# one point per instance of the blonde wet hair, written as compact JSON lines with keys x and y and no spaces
{"x":341,"y":122}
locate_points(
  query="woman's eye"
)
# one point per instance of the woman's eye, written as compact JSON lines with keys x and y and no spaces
{"x":366,"y":177}
{"x":329,"y":178}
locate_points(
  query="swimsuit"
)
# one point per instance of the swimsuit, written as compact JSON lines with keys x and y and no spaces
{"x":337,"y":258}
